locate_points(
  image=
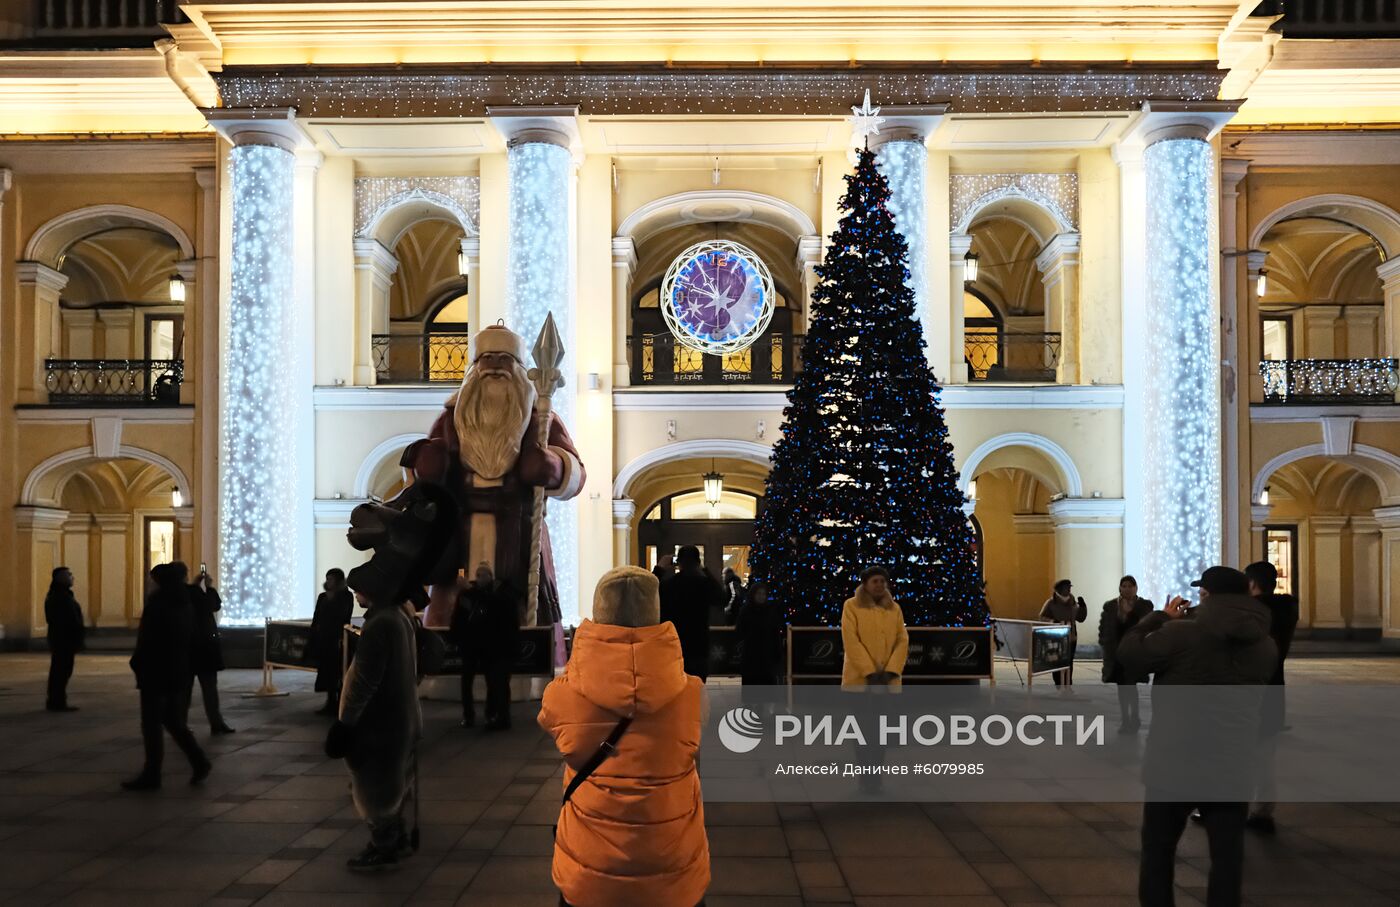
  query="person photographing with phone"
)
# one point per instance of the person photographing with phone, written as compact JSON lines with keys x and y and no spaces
{"x":206,"y":654}
{"x":1063,"y":608}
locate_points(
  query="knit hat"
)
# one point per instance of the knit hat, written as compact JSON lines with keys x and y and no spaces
{"x":627,"y":597}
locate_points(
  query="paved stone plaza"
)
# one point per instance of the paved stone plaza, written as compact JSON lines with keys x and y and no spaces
{"x":273,"y":825}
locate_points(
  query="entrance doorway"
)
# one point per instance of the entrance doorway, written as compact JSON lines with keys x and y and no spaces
{"x":723,"y":533}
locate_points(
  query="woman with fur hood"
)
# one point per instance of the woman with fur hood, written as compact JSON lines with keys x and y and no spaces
{"x":873,"y":634}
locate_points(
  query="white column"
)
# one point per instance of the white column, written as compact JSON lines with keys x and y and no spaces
{"x":1058,"y":264}
{"x":204,"y":343}
{"x":39,"y":287}
{"x":1365,"y":572}
{"x":471,"y":250}
{"x":266,"y":427}
{"x":959,"y":244}
{"x":374,"y":278}
{"x":1234,"y":381}
{"x":624,"y":260}
{"x":1389,"y":274}
{"x":1171,"y":347}
{"x":809,"y":255}
{"x":540,"y":274}
{"x":1389,"y":520}
{"x":624,"y":509}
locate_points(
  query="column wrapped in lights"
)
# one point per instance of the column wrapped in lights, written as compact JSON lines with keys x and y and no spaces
{"x":1181,"y":472}
{"x":258,"y":462}
{"x":903,"y":160}
{"x":540,"y":169}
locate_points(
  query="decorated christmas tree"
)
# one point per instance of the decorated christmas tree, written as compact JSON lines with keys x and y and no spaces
{"x":864,"y":474}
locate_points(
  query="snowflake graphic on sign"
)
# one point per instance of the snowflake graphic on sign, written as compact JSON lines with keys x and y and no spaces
{"x":717,"y":297}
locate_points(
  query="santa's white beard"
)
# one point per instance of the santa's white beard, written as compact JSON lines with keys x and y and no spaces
{"x":491,"y":415}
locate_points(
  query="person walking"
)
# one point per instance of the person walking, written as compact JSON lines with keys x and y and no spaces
{"x":379,"y":727}
{"x":627,"y":720}
{"x":1200,"y":747}
{"x":760,"y":628}
{"x":1283,"y":621}
{"x":334,"y":608}
{"x":206,"y":655}
{"x":687,"y":601}
{"x":64,"y":617}
{"x":161,"y":664}
{"x":486,"y":628}
{"x":1119,"y":616}
{"x":1063,"y":608}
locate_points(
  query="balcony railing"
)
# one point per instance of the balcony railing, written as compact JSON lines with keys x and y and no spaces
{"x":1005,"y":356}
{"x":659,"y":359}
{"x":1330,"y":381}
{"x":114,"y":382}
{"x":420,"y":358}
{"x":103,"y":21}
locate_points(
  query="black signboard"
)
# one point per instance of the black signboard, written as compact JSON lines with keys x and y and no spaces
{"x":726,"y":652}
{"x":1051,"y":649}
{"x":288,"y":644}
{"x":535,"y":655}
{"x":935,"y":653}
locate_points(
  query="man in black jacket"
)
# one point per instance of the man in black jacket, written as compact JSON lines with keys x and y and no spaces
{"x":65,"y":622}
{"x":486,"y":628}
{"x":686,"y":601}
{"x":206,"y":656}
{"x":1200,"y":748}
{"x":1283,"y":620}
{"x":161,"y":663}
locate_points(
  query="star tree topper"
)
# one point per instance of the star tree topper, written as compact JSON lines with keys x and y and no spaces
{"x":865,"y":120}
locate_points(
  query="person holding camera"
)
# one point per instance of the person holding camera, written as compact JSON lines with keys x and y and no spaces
{"x":1063,"y":608}
{"x":206,"y":653}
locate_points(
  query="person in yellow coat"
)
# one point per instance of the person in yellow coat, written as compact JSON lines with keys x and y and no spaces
{"x":873,"y":635}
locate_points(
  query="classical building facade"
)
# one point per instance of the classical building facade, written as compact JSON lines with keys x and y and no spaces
{"x":243,"y":248}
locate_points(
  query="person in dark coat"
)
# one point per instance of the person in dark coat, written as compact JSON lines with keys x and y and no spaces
{"x":760,"y":626}
{"x":1063,"y":608}
{"x":64,"y":617}
{"x":486,"y":628}
{"x":687,"y":601}
{"x":665,"y":568}
{"x":161,"y":664}
{"x":1119,"y":616}
{"x":206,"y":655}
{"x":1200,"y":749}
{"x":1283,"y":620}
{"x":334,"y":608}
{"x":734,"y":592}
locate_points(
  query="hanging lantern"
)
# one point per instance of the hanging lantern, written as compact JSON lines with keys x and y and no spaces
{"x":714,"y":488}
{"x":972,"y":490}
{"x":1264,"y":497}
{"x":463,"y":263}
{"x":177,"y":288}
{"x":1261,"y":284}
{"x":177,"y":500}
{"x":970,"y":267}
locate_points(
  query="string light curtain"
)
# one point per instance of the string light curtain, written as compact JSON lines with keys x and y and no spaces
{"x":541,"y":281}
{"x":258,"y":460}
{"x":1181,"y":481}
{"x":904,"y":164}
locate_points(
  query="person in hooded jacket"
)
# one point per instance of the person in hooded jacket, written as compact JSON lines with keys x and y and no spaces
{"x":161,"y":664}
{"x":633,"y":833}
{"x":379,"y":727}
{"x":64,"y":617}
{"x":691,"y":600}
{"x":1119,"y":616}
{"x":1200,"y":747}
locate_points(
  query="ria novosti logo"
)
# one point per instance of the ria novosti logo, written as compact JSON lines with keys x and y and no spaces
{"x":741,"y":730}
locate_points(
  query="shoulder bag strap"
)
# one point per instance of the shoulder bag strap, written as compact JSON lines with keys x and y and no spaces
{"x":605,"y":749}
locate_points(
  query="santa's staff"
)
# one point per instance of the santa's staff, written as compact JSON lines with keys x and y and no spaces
{"x":548,"y":353}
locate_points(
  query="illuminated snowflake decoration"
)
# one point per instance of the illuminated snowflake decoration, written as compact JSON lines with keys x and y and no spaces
{"x":717,"y":297}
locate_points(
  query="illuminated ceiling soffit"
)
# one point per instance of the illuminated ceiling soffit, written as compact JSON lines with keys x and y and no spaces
{"x":496,"y":31}
{"x":1315,"y":82}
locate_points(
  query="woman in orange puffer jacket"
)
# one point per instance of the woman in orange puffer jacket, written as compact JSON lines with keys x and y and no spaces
{"x":633,"y":834}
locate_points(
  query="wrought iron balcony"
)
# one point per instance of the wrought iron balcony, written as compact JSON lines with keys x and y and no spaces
{"x":1330,"y":381}
{"x":114,"y":382}
{"x":659,"y":359}
{"x":995,"y":355}
{"x":420,"y":358}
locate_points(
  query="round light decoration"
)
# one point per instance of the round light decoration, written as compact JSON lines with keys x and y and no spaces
{"x":717,"y":297}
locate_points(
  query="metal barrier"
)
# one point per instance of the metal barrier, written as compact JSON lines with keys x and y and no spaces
{"x":936,"y":654}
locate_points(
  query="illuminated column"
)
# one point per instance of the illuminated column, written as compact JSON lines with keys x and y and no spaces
{"x":1171,"y":345}
{"x":265,"y":400}
{"x":624,"y":260}
{"x":39,"y":286}
{"x":1365,"y":572}
{"x":1389,"y":274}
{"x":540,"y":274}
{"x":1059,"y":269}
{"x":1389,"y":520}
{"x":374,"y":278}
